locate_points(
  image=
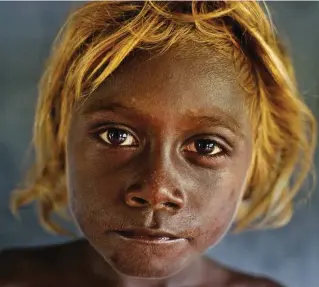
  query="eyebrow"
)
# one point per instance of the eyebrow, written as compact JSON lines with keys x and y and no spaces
{"x":220,"y":117}
{"x":110,"y":106}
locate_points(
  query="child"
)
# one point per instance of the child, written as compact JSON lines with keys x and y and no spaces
{"x":161,"y":124}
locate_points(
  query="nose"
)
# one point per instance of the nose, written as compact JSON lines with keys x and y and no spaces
{"x":159,"y":192}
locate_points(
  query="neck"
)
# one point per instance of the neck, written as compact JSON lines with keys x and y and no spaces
{"x":192,"y":275}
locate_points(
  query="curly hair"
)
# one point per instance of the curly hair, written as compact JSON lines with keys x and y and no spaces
{"x":96,"y":39}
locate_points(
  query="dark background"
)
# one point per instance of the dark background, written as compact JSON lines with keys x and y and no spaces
{"x":27,"y":29}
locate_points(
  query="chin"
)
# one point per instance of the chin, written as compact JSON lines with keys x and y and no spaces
{"x":148,"y":268}
{"x":154,"y":261}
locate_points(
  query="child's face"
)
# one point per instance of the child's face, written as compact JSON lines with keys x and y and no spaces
{"x":163,"y":144}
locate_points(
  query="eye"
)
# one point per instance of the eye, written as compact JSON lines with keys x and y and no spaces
{"x":118,"y":137}
{"x":206,"y":147}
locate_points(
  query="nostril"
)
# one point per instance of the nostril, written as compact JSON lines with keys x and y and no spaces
{"x":170,"y":205}
{"x":139,"y":200}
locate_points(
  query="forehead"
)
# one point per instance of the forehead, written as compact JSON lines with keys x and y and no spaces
{"x":182,"y":79}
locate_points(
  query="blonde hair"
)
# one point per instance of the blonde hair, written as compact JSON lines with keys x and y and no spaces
{"x":100,"y":35}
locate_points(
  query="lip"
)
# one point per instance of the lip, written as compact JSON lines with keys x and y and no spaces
{"x":148,"y":235}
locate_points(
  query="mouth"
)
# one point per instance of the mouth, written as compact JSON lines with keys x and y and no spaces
{"x":148,"y":235}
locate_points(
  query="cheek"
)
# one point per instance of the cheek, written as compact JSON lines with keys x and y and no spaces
{"x":219,"y":207}
{"x":89,"y":203}
{"x":216,"y":218}
{"x":90,"y":189}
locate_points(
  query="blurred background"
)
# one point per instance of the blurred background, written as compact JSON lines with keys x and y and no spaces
{"x":27,"y":29}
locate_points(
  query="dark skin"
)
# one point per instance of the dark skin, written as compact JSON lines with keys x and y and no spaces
{"x":157,"y":162}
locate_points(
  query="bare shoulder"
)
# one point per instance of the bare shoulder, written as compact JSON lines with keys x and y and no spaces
{"x":19,"y":264}
{"x":26,"y":258}
{"x":229,"y":277}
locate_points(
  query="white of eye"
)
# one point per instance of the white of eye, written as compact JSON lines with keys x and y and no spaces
{"x":216,"y":149}
{"x":128,"y":141}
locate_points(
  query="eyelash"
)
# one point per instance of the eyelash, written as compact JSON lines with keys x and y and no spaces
{"x":223,"y":153}
{"x":98,"y":130}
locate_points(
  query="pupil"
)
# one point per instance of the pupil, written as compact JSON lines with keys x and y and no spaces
{"x":204,"y":146}
{"x":116,"y":136}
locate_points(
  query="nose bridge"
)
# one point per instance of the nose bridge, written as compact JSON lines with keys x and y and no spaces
{"x":158,"y":185}
{"x":160,"y":171}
